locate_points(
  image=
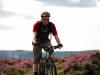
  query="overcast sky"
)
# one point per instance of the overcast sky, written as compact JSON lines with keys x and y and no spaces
{"x":77,"y":23}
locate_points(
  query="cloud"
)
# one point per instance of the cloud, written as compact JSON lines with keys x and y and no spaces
{"x":10,"y":14}
{"x":5,"y":13}
{"x":4,"y":27}
{"x":15,"y":8}
{"x":1,"y":3}
{"x":71,"y":3}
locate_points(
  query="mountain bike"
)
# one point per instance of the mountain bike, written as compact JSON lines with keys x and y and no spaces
{"x":47,"y":66}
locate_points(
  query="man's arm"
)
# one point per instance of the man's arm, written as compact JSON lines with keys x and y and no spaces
{"x":34,"y":37}
{"x":57,"y":39}
{"x":35,"y":29}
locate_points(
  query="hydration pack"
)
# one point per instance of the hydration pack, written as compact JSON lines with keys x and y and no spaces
{"x":43,"y":32}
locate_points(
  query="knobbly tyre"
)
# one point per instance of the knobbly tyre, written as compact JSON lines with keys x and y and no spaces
{"x":47,"y":66}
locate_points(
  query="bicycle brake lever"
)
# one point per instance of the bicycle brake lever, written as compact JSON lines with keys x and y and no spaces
{"x":55,"y":47}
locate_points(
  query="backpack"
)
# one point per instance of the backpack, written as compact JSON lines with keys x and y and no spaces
{"x":43,"y":32}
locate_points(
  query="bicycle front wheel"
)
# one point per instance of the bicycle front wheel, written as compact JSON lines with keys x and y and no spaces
{"x":42,"y":69}
{"x":50,"y":68}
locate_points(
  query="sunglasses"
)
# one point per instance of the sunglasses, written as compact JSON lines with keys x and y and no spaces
{"x":45,"y":16}
{"x":45,"y":19}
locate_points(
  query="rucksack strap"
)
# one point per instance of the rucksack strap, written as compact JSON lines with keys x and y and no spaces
{"x":50,"y":28}
{"x":50,"y":23}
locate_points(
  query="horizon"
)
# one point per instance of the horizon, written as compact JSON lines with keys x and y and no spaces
{"x":77,"y":23}
{"x":44,"y":51}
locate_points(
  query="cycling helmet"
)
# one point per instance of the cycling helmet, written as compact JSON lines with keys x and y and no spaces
{"x":45,"y":14}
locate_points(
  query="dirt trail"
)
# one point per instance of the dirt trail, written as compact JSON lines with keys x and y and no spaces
{"x":30,"y":73}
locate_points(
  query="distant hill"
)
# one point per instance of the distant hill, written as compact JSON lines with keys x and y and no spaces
{"x":29,"y":54}
{"x":68,"y":53}
{"x":17,"y":54}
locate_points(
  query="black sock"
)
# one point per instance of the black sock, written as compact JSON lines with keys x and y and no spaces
{"x":35,"y":73}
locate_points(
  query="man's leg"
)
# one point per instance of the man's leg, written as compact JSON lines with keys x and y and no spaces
{"x":35,"y":69}
{"x":37,"y":55}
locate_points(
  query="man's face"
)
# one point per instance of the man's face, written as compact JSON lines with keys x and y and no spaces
{"x":45,"y":20}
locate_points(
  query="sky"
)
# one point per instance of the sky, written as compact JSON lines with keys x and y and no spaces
{"x":77,"y":23}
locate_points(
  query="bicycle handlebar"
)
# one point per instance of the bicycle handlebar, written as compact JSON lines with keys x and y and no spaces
{"x":55,"y":47}
{"x":48,"y":47}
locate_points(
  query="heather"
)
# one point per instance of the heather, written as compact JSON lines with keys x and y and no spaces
{"x":15,"y":66}
{"x":80,"y":64}
{"x":76,"y":64}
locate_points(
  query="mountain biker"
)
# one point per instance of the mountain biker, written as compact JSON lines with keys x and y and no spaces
{"x":41,"y":31}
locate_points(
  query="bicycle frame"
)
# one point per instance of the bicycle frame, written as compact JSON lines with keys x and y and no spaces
{"x":47,"y":61}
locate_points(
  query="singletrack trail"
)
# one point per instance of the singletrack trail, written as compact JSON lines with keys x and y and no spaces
{"x":30,"y":73}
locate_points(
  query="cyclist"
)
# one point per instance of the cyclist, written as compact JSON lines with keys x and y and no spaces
{"x":41,"y":31}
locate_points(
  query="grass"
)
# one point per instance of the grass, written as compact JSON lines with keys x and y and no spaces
{"x":60,"y":63}
{"x":59,"y":70}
